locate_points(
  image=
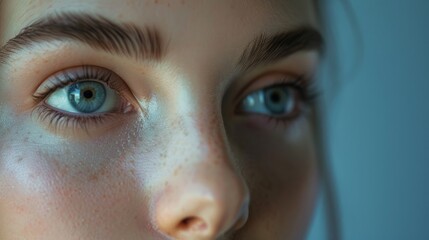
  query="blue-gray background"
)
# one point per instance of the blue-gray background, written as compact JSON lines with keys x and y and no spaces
{"x":379,"y":120}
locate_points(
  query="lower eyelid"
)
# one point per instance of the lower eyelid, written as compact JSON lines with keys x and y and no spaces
{"x":76,"y":125}
{"x":269,"y":123}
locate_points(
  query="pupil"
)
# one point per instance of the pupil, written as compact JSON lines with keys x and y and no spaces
{"x":275,"y":97}
{"x":88,"y":94}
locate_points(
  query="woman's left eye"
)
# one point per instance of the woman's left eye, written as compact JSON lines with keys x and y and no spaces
{"x":278,"y":101}
{"x":85,"y":97}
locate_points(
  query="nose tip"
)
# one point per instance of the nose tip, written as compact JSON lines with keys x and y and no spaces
{"x":201,"y":214}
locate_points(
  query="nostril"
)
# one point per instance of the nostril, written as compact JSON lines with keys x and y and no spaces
{"x":194,"y":224}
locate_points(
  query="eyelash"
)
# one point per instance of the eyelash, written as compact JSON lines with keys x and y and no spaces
{"x":60,"y":120}
{"x":306,"y":90}
{"x":88,"y":72}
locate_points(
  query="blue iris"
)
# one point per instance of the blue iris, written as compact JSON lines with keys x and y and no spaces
{"x":276,"y":99}
{"x":87,"y":96}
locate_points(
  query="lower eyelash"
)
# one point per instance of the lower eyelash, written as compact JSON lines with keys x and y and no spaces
{"x":304,"y":111}
{"x":60,"y":121}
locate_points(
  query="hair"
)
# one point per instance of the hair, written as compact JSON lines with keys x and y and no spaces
{"x":332,"y":85}
{"x":329,"y":195}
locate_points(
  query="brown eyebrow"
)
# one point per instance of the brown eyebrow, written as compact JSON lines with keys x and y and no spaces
{"x":96,"y":31}
{"x":270,"y":48}
{"x":146,"y":43}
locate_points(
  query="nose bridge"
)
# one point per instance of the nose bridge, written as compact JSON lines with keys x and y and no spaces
{"x":198,"y":122}
{"x":211,"y":137}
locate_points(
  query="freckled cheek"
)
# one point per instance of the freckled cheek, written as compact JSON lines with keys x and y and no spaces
{"x":26,"y":201}
{"x":34,"y":189}
{"x":35,"y":198}
{"x":41,"y":187}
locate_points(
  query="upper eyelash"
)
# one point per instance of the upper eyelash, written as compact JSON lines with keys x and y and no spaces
{"x":308,"y":91}
{"x":66,"y":78}
{"x":306,"y":88}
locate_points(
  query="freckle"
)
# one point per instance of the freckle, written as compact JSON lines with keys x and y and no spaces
{"x":133,"y":172}
{"x":62,"y":170}
{"x":121,"y":159}
{"x":176,"y":171}
{"x":93,"y":178}
{"x":20,"y":209}
{"x":67,"y":193}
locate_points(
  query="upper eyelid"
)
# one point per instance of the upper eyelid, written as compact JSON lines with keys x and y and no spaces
{"x":73,"y":74}
{"x":284,"y":77}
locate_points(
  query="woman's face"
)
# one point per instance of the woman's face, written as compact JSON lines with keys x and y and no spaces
{"x":148,"y":119}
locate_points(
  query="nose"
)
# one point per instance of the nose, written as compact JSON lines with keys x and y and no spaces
{"x":204,"y":197}
{"x":200,"y":210}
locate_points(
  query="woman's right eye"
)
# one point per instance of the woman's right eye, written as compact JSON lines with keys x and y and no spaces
{"x":81,"y":96}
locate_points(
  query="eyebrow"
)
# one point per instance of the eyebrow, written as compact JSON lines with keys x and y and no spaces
{"x":265,"y":48}
{"x":146,"y":43}
{"x":96,"y":31}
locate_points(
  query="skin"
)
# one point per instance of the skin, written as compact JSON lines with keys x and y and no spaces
{"x":183,"y":163}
